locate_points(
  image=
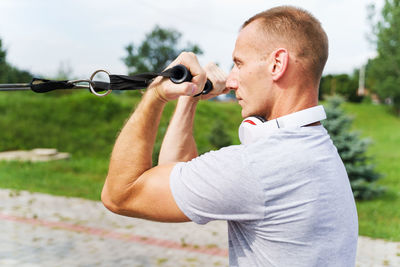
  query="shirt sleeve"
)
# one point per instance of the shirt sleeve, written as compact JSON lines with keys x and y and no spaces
{"x":217,"y":186}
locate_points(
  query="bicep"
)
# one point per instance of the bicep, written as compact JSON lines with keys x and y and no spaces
{"x":152,"y":198}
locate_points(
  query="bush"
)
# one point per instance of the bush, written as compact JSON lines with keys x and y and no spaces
{"x":352,"y":150}
{"x":218,"y":137}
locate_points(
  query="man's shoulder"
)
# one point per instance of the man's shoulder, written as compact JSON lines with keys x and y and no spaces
{"x":281,"y":141}
{"x":233,"y":152}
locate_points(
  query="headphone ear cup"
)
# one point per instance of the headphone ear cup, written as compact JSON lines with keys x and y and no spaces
{"x":246,"y":128}
{"x":262,"y":119}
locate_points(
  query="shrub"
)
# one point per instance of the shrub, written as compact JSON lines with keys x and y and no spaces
{"x":352,"y":150}
{"x":218,"y":137}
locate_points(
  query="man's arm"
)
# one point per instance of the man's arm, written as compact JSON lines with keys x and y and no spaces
{"x":132,"y":187}
{"x":179,"y":144}
{"x":130,"y":176}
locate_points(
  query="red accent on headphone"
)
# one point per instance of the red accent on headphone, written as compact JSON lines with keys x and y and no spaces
{"x":250,"y":121}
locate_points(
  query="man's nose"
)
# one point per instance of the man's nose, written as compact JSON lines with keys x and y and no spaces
{"x":231,"y":82}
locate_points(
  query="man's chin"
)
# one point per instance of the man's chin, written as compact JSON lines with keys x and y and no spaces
{"x":245,"y":114}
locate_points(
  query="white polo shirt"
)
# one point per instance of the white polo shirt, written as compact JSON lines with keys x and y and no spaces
{"x":286,"y":198}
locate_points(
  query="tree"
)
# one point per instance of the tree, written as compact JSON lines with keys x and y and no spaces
{"x":3,"y":64}
{"x":158,"y":49}
{"x":352,"y":150}
{"x":10,"y":74}
{"x":343,"y":84}
{"x":385,"y":67}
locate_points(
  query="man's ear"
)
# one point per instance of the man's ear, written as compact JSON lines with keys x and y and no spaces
{"x":280,"y":61}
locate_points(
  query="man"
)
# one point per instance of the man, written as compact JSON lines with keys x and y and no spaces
{"x":286,"y":196}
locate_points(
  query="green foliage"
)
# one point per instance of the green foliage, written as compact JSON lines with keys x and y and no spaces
{"x":352,"y":150}
{"x":10,"y":74}
{"x":218,"y":137}
{"x":158,"y":49}
{"x":343,"y":84}
{"x":384,"y":70}
{"x":2,"y":54}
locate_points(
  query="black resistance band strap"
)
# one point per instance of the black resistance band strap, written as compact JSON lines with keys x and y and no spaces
{"x":137,"y":81}
{"x":43,"y":86}
{"x":177,"y":74}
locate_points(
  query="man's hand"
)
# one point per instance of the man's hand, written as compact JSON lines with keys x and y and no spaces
{"x":166,"y":90}
{"x":218,"y":78}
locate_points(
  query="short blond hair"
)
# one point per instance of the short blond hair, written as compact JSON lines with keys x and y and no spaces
{"x":301,"y":31}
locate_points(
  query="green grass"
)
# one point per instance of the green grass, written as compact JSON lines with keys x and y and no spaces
{"x":380,"y":218}
{"x":86,"y":127}
{"x":76,"y":177}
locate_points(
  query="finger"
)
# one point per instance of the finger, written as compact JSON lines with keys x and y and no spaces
{"x":220,"y":73}
{"x":173,"y":91}
{"x":217,"y":77}
{"x":189,"y":60}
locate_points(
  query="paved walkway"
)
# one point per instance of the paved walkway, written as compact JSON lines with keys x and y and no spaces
{"x":43,"y":230}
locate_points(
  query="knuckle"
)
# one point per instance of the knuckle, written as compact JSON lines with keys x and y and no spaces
{"x":219,"y":81}
{"x":209,"y":65}
{"x":187,"y":54}
{"x":166,"y":91}
{"x":184,"y":54}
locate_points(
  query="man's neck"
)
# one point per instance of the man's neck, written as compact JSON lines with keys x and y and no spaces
{"x":287,"y":104}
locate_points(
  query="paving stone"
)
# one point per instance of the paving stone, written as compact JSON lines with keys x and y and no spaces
{"x":34,"y":155}
{"x":44,"y":230}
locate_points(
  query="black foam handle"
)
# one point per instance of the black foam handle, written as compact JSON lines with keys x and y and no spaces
{"x":207,"y":88}
{"x":180,"y":74}
{"x":44,"y":86}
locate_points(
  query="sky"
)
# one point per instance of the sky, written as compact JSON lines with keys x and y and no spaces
{"x":44,"y":36}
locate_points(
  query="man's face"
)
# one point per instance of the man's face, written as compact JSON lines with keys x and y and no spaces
{"x":249,"y":76}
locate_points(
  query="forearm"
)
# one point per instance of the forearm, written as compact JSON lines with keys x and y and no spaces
{"x":132,"y":152}
{"x":179,"y":144}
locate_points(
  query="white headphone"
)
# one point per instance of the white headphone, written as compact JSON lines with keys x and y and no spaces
{"x":255,"y":127}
